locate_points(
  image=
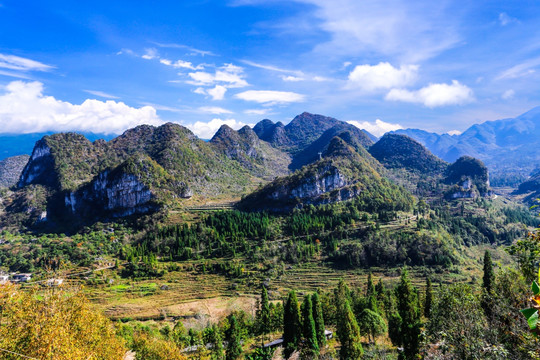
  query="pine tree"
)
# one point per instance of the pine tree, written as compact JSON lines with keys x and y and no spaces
{"x":319,"y":320}
{"x":292,"y":331}
{"x":232,"y":336}
{"x":407,"y":304}
{"x":309,"y":330}
{"x":429,"y":299}
{"x":264,"y":319}
{"x":489,"y":275}
{"x":348,"y":333}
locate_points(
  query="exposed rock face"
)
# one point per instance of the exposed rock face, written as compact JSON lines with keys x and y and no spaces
{"x":39,"y":168}
{"x":326,"y":180}
{"x":120,"y":196}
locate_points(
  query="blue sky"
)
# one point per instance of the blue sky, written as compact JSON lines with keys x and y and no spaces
{"x":106,"y":66}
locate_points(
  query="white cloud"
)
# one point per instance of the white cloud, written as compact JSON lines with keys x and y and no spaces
{"x":101,"y":94}
{"x":181,"y":64}
{"x":508,"y":94}
{"x":272,"y":68}
{"x":257,"y":111}
{"x":193,"y":50}
{"x":25,"y":109}
{"x":394,"y":28}
{"x":200,"y":91}
{"x":270,"y":97}
{"x":217,"y":93}
{"x":216,"y":110}
{"x":292,"y":78}
{"x":504,"y":19}
{"x":13,"y":62}
{"x":524,"y":69}
{"x":205,"y":130}
{"x":382,"y":76}
{"x":150,"y":54}
{"x":229,"y":75}
{"x":377,"y":128}
{"x":454,"y":132}
{"x":434,"y":95}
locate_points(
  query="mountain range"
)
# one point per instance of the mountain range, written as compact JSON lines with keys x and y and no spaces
{"x":313,"y":160}
{"x":508,"y":147}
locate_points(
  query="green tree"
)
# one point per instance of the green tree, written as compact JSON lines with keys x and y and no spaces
{"x":407,"y":305}
{"x":489,"y":275}
{"x":309,"y":330}
{"x":232,"y":336}
{"x":428,"y":300}
{"x":264,"y":315}
{"x":370,"y":288}
{"x":217,"y":351}
{"x":292,"y":331}
{"x":348,"y":334}
{"x":319,"y":319}
{"x":372,"y":324}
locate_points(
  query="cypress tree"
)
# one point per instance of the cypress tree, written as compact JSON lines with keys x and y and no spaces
{"x":319,"y":320}
{"x":234,"y":347}
{"x":429,"y":299}
{"x":489,"y":275}
{"x":407,"y":304}
{"x":348,"y":333}
{"x":292,"y":331}
{"x":264,"y":320}
{"x":309,"y":330}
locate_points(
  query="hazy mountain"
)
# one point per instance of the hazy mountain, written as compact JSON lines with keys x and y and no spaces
{"x":507,"y":146}
{"x":11,"y":169}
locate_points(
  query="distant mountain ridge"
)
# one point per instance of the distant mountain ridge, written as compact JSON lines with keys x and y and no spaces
{"x":506,"y":145}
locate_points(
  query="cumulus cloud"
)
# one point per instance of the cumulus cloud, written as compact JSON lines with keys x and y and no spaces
{"x":214,"y":110}
{"x":434,"y":95}
{"x":205,"y":130}
{"x":454,"y":132}
{"x":25,"y":109}
{"x":228,"y":75}
{"x":217,"y":93}
{"x":13,"y":62}
{"x":269,"y":97}
{"x":377,"y":128}
{"x":508,"y":94}
{"x":291,"y":78}
{"x":382,"y":76}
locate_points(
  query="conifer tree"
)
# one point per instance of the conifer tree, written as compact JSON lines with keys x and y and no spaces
{"x":263,"y":318}
{"x":489,"y":275}
{"x":370,"y":289}
{"x":292,"y":331}
{"x":232,"y":336}
{"x":348,"y":333}
{"x":319,"y":320}
{"x":429,"y":299}
{"x":407,"y":304}
{"x":308,"y":326}
{"x":217,"y":351}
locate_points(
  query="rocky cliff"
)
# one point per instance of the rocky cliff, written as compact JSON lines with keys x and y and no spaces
{"x":11,"y":169}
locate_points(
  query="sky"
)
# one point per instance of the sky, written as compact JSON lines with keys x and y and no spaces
{"x":106,"y":66}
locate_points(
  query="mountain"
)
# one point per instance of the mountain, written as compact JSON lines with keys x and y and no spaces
{"x":11,"y":169}
{"x":509,"y":147}
{"x":349,"y":133}
{"x":402,"y":152}
{"x":255,"y":154}
{"x":139,"y":171}
{"x":469,"y":177}
{"x":341,"y":174}
{"x":22,"y":144}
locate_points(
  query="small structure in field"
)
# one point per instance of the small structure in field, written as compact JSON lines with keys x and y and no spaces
{"x":21,"y":277}
{"x":279,"y":342}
